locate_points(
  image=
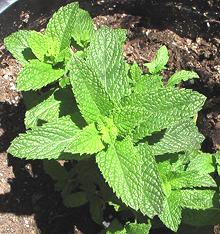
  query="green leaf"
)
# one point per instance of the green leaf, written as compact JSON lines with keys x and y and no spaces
{"x":133,"y":175}
{"x":16,"y":43}
{"x":201,"y":217}
{"x":92,"y":98}
{"x":96,"y":208}
{"x":75,"y":199}
{"x":136,"y":72}
{"x":201,"y":162}
{"x":138,"y":228}
{"x":164,"y":107}
{"x":121,"y":34}
{"x":127,"y":118}
{"x":217,"y":156}
{"x":182,"y":136}
{"x":57,"y":172}
{"x":47,"y":110}
{"x":147,"y":83}
{"x":64,"y":56}
{"x":179,"y":76}
{"x":190,"y":179}
{"x":159,"y":61}
{"x":144,"y":83}
{"x":45,"y":142}
{"x":61,"y":25}
{"x":59,"y":103}
{"x":115,"y":228}
{"x":197,"y":199}
{"x":83,"y":28}
{"x":105,"y":57}
{"x":86,"y":141}
{"x":36,"y":75}
{"x":108,"y":130}
{"x":171,"y":214}
{"x":42,"y":45}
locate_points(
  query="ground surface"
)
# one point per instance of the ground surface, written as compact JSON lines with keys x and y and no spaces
{"x":190,"y":30}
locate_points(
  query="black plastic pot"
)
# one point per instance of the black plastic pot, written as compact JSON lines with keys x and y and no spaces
{"x":4,"y":4}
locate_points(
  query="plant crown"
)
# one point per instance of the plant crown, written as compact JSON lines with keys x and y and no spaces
{"x":132,"y":139}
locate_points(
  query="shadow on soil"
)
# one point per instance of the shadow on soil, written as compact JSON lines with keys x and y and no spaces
{"x":32,"y":191}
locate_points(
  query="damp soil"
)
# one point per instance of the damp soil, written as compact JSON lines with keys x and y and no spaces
{"x":190,"y":30}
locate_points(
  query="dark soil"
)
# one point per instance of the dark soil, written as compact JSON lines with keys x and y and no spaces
{"x":190,"y":30}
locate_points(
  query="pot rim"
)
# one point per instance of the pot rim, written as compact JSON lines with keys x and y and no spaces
{"x":5,"y":4}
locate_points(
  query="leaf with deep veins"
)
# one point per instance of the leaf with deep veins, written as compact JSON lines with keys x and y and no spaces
{"x":60,"y":25}
{"x":181,"y":76}
{"x":105,"y":58}
{"x":36,"y":75}
{"x":197,"y":199}
{"x":86,"y":141}
{"x":164,"y":107}
{"x":83,"y":28}
{"x":16,"y":43}
{"x":114,"y":119}
{"x":59,"y":103}
{"x":45,"y":142}
{"x":48,"y":110}
{"x":171,"y":215}
{"x":133,"y":175}
{"x":42,"y":45}
{"x":159,"y":61}
{"x":70,"y":21}
{"x":93,"y":100}
{"x":182,"y":136}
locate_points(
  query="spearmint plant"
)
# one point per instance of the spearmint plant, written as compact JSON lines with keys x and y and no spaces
{"x":132,"y":139}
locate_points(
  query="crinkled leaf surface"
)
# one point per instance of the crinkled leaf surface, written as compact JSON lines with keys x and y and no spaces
{"x":159,"y":61}
{"x":59,"y":103}
{"x":179,"y":76}
{"x":70,"y":21}
{"x":135,"y":72}
{"x":121,"y":34}
{"x":164,"y":107}
{"x":127,"y":118}
{"x":138,"y":228}
{"x":61,"y":24}
{"x":42,"y":45}
{"x":171,"y":214}
{"x":16,"y":43}
{"x":105,"y":58}
{"x":83,"y":28}
{"x":48,"y":110}
{"x":217,"y":156}
{"x":190,"y":179}
{"x":86,"y":141}
{"x":133,"y":175}
{"x":197,"y":199}
{"x":182,"y":136}
{"x":147,"y":83}
{"x":36,"y":75}
{"x":45,"y":142}
{"x":201,"y":162}
{"x":144,"y":83}
{"x":93,"y":100}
